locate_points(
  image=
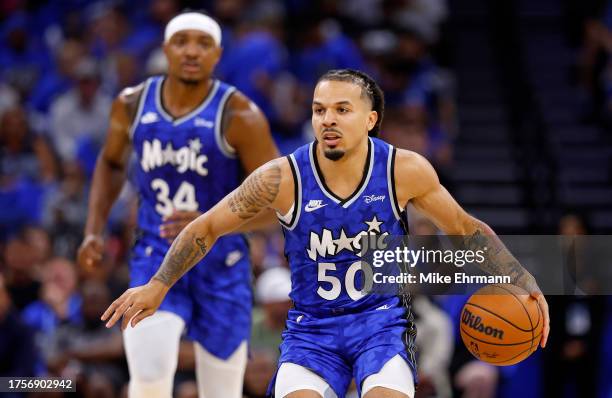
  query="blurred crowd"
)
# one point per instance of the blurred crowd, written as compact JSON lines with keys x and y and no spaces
{"x":62,"y":64}
{"x":593,"y":33}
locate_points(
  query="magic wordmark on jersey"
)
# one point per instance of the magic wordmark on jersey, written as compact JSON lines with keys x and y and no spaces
{"x":324,"y":244}
{"x":184,"y":158}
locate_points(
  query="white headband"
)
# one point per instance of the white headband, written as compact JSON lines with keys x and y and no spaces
{"x":195,"y":21}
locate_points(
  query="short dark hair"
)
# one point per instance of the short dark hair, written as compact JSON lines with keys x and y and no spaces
{"x":369,"y":88}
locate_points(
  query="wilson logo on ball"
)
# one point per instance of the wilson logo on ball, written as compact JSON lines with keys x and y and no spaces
{"x":475,"y":322}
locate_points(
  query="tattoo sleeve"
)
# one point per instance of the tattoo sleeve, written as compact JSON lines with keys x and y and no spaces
{"x":186,"y":250}
{"x":498,"y":259}
{"x":257,"y":192}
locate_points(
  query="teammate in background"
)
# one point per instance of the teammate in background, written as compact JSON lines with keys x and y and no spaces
{"x":193,"y":137}
{"x":323,"y":194}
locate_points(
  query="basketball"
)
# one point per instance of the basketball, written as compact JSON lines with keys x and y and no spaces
{"x":501,"y":324}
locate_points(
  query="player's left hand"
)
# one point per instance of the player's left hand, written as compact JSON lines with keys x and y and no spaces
{"x":173,"y":224}
{"x":135,"y":304}
{"x":544,"y":308}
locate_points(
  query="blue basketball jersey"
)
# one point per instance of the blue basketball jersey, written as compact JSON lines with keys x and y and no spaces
{"x":185,"y":164}
{"x":323,"y":238}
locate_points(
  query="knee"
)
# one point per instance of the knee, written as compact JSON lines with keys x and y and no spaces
{"x":382,"y":392}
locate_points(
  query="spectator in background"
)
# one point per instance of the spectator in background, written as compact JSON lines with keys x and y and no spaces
{"x":58,"y":79}
{"x":88,"y":350}
{"x":22,"y":263}
{"x":435,"y":343}
{"x":17,"y":348}
{"x":65,"y":210}
{"x":110,"y":32}
{"x":26,"y":166}
{"x":578,"y":321}
{"x":23,"y":58}
{"x":24,"y":155}
{"x":58,"y":301}
{"x":256,"y":55}
{"x":596,"y":59}
{"x":320,"y":45}
{"x":80,"y":117}
{"x":408,"y":130}
{"x":272,"y":294}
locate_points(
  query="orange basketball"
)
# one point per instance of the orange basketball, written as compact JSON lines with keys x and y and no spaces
{"x":501,"y":324}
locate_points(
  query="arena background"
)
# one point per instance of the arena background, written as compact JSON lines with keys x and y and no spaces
{"x":510,"y":100}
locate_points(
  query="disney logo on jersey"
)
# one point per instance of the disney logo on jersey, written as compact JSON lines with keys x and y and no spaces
{"x":373,"y":198}
{"x":201,"y":122}
{"x":185,"y":158}
{"x":324,"y":244}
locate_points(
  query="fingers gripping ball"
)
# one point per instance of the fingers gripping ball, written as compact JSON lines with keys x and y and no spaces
{"x":501,"y":324}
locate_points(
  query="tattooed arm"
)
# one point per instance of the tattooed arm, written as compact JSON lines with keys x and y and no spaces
{"x":417,"y":182}
{"x":270,"y":186}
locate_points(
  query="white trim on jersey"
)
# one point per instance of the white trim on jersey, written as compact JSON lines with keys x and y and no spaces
{"x":220,"y":138}
{"x":200,"y":108}
{"x":296,"y":208}
{"x":391,"y":181}
{"x":316,"y":175}
{"x":141,"y":102}
{"x":363,"y":184}
{"x":371,"y":160}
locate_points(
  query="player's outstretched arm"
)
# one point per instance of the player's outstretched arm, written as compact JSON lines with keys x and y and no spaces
{"x":418,"y":182}
{"x":264,"y":188}
{"x":109,"y":175}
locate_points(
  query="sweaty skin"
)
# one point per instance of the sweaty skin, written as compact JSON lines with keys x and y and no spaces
{"x":192,"y":56}
{"x":341,"y":119}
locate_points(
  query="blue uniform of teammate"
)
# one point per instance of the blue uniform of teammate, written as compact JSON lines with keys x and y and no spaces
{"x":185,"y":164}
{"x":328,"y":194}
{"x":194,"y":138}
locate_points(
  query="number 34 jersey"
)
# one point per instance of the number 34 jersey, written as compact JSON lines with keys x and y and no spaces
{"x":323,"y":238}
{"x":184,"y":164}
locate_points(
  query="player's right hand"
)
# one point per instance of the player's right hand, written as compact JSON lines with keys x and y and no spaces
{"x":90,"y":252}
{"x":135,"y":304}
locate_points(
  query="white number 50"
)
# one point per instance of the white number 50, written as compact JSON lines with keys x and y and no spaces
{"x":336,"y":286}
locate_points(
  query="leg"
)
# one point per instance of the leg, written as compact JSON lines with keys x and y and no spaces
{"x":151,"y":349}
{"x":295,"y":381}
{"x":382,"y":392}
{"x":303,"y":394}
{"x":394,"y":380}
{"x":217,"y":377}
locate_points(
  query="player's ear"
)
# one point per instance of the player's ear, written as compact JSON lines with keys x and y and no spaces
{"x":372,"y":119}
{"x":165,"y":48}
{"x":217,"y":51}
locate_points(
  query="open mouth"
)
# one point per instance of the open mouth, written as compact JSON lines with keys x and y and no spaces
{"x":331,"y":139}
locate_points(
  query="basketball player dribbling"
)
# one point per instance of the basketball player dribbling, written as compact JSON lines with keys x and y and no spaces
{"x":193,"y":137}
{"x":320,"y":193}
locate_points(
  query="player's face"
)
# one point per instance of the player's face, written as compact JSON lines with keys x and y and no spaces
{"x":192,"y":56}
{"x":341,"y":117}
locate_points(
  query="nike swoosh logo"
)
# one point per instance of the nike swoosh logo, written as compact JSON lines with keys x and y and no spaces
{"x":308,"y":209}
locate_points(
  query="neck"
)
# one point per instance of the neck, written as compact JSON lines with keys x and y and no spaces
{"x":180,"y":98}
{"x":348,"y":166}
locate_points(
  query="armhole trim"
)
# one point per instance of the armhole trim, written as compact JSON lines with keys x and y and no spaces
{"x":397,"y":212}
{"x":297,"y":196}
{"x":141,"y":101}
{"x":220,"y":139}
